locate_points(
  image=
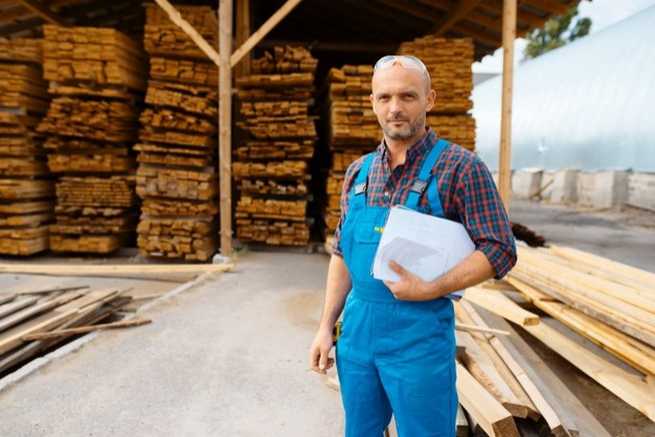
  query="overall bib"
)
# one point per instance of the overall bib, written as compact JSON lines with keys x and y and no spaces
{"x":393,"y":356}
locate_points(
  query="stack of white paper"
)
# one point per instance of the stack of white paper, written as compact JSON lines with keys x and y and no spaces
{"x":425,"y":245}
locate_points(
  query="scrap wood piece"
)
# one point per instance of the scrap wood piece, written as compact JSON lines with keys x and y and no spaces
{"x":576,"y":418}
{"x":12,"y":338}
{"x":494,"y":419}
{"x":53,"y":289}
{"x":632,"y":351}
{"x":474,"y":328}
{"x":501,"y":305}
{"x":84,"y":329}
{"x":159,"y":272}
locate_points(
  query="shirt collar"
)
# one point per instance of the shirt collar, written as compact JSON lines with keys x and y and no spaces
{"x":417,"y":149}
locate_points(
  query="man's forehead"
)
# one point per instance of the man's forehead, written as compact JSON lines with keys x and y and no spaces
{"x":397,"y":78}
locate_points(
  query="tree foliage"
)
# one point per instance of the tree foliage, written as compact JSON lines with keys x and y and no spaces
{"x":556,"y":32}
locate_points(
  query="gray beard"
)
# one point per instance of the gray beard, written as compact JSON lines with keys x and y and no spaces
{"x":399,"y":135}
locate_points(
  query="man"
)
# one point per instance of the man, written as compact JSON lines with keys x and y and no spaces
{"x":396,"y":352}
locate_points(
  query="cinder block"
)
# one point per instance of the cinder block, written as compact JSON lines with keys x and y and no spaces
{"x":603,"y":189}
{"x":564,"y":189}
{"x":526,"y":183}
{"x":641,"y":190}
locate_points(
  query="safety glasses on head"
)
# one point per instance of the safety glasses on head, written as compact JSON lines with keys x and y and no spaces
{"x":407,"y":61}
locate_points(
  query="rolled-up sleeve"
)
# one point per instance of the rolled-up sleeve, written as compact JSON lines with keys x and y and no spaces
{"x":482,"y":212}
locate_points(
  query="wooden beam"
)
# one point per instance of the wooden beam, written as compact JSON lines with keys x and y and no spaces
{"x":505,"y":159}
{"x":265,"y":28}
{"x":21,"y":26}
{"x":225,"y":124}
{"x":459,"y":11}
{"x":187,"y":28}
{"x":334,"y":46}
{"x":242,"y":34}
{"x":548,"y":6}
{"x":43,"y":12}
{"x":492,"y":417}
{"x":498,"y":303}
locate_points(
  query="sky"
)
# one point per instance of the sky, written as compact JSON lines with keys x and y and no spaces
{"x":603,"y":13}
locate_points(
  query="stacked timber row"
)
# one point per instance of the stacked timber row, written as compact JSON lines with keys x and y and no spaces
{"x":96,"y":80}
{"x":272,"y":164}
{"x":449,"y":63}
{"x":353,"y":129}
{"x":25,"y":190}
{"x":177,"y":176}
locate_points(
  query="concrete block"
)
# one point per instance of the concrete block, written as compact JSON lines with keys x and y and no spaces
{"x":603,"y":189}
{"x":564,"y":189}
{"x":526,"y":183}
{"x":641,"y":190}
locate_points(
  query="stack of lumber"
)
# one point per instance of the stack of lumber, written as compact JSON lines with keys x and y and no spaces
{"x":449,"y":62}
{"x":177,"y":176}
{"x":96,"y":77}
{"x":25,"y":191}
{"x":271,"y":165}
{"x":583,"y":297}
{"x":23,"y":315}
{"x":353,"y":129}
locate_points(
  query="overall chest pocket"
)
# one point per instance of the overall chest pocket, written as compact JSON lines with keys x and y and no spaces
{"x":368,"y":232}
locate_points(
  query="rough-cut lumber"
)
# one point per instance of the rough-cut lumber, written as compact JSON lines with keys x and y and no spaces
{"x":626,"y":348}
{"x":487,"y":411}
{"x":10,"y":308}
{"x":499,"y":304}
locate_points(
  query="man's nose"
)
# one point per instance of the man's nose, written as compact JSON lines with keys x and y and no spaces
{"x":395,"y":105}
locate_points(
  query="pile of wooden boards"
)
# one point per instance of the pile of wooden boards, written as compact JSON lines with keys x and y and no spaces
{"x":353,"y":129}
{"x":177,"y":175}
{"x":41,"y":311}
{"x":272,"y":162}
{"x":96,"y":78}
{"x":449,"y":63}
{"x":584,"y":297}
{"x":25,"y":189}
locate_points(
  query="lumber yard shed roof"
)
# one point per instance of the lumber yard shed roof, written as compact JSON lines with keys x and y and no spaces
{"x":350,"y":25}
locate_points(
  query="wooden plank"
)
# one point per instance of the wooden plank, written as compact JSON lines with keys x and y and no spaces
{"x":488,"y":412}
{"x":161,"y":272}
{"x":85,"y":329}
{"x":53,"y":289}
{"x":225,"y":124}
{"x":177,"y":18}
{"x":243,"y":30}
{"x":500,"y":304}
{"x":473,"y":328}
{"x":505,"y":158}
{"x":626,"y":348}
{"x":32,"y":311}
{"x":260,"y":33}
{"x":462,"y":423}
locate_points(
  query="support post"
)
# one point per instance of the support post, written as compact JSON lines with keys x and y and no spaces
{"x":242,"y":35}
{"x":225,"y":123}
{"x":505,"y":158}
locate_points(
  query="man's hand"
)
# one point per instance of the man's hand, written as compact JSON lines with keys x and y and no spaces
{"x":318,"y":353}
{"x":409,"y":286}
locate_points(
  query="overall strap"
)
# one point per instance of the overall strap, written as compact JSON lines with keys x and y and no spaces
{"x":425,"y":178}
{"x":358,"y":190}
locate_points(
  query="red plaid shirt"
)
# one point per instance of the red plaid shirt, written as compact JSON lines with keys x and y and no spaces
{"x":467,"y":191}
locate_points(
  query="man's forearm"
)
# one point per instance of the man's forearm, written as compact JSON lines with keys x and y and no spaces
{"x":337,"y":288}
{"x":471,"y":271}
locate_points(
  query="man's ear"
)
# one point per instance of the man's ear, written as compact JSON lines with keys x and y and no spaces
{"x":430,"y":100}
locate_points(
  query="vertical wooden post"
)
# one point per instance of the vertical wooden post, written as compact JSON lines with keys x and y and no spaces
{"x":242,"y":34}
{"x":225,"y":123}
{"x":505,"y":159}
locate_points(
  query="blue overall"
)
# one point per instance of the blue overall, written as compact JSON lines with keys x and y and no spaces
{"x":393,"y":356}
